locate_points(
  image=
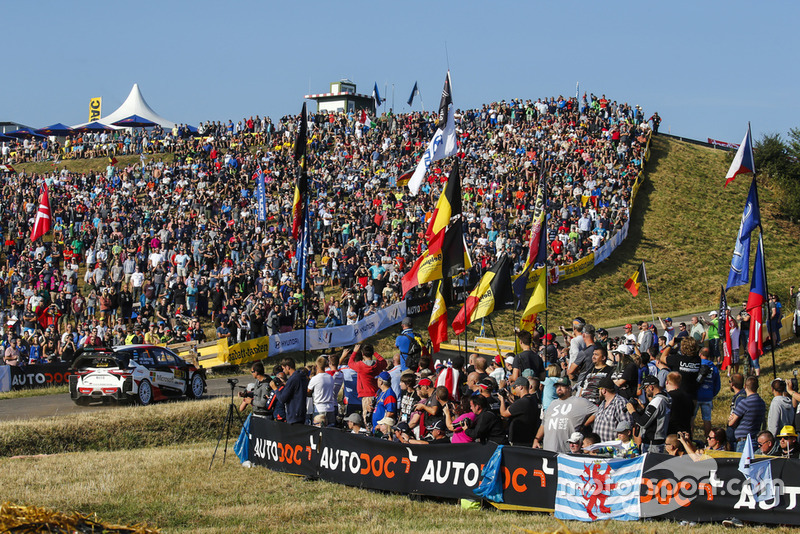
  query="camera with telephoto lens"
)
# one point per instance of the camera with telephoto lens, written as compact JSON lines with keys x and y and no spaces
{"x":705,"y":370}
{"x":794,"y":378}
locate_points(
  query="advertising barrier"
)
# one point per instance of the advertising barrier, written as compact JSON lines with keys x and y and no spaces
{"x":590,"y":488}
{"x":39,"y":376}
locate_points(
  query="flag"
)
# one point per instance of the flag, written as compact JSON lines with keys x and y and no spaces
{"x":261,"y":197}
{"x":747,"y":457}
{"x":743,"y":162}
{"x":42,"y":223}
{"x":301,"y":186}
{"x":635,"y":282}
{"x":414,"y":92}
{"x":537,"y":247}
{"x":376,"y":96}
{"x":592,"y":489}
{"x":112,"y":160}
{"x":755,"y":302}
{"x":404,"y":178}
{"x":446,"y":255}
{"x":437,"y":326}
{"x":761,"y":481}
{"x":538,"y":301}
{"x":492,"y":293}
{"x":739,"y":274}
{"x":448,"y":205}
{"x":7,"y":168}
{"x":724,"y":331}
{"x":443,"y":143}
{"x":302,"y":250}
{"x":577,"y":91}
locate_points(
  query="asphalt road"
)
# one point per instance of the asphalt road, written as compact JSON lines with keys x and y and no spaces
{"x":56,"y":405}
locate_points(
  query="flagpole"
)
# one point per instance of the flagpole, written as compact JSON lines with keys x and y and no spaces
{"x":647,"y":283}
{"x":547,"y":239}
{"x":766,"y":283}
{"x":496,"y":343}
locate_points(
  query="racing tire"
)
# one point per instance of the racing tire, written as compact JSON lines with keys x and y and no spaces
{"x":144,"y":393}
{"x":196,"y":387}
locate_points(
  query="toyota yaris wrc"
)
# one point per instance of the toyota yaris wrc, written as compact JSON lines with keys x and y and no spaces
{"x":139,"y":373}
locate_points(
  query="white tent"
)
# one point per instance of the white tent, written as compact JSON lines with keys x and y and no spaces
{"x":135,"y":105}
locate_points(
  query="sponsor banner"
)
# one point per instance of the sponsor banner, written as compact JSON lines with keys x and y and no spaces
{"x":95,"y":109}
{"x":530,"y":478}
{"x":714,"y":489}
{"x":5,"y":378}
{"x":340,"y":336}
{"x":39,"y":376}
{"x":591,"y":489}
{"x":248,"y":351}
{"x":582,"y":266}
{"x":723,"y":144}
{"x":417,"y":306}
{"x":602,"y":253}
{"x":284,"y":447}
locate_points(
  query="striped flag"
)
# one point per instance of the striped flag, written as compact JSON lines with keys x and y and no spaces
{"x":590,"y":489}
{"x":376,"y":96}
{"x":492,"y":293}
{"x":414,"y":92}
{"x":743,"y":162}
{"x":301,"y":186}
{"x":537,"y":302}
{"x":112,"y":160}
{"x":42,"y":223}
{"x":446,"y":256}
{"x":437,"y":326}
{"x":755,"y":303}
{"x":7,"y":168}
{"x":635,"y":282}
{"x":448,"y":205}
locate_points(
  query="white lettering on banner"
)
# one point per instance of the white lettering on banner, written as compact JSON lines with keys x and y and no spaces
{"x":438,"y":472}
{"x":340,"y":336}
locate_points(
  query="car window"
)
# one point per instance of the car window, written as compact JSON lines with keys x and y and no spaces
{"x":141,"y":356}
{"x":162,"y":357}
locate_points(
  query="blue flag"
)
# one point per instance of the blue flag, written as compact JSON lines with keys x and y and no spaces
{"x":302,"y":249}
{"x":739,"y":274}
{"x":414,"y":93}
{"x":376,"y":95}
{"x":261,"y":197}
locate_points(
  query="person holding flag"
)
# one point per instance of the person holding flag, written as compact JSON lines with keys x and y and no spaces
{"x":42,"y":222}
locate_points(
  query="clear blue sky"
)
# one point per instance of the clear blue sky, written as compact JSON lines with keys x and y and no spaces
{"x":707,"y":67}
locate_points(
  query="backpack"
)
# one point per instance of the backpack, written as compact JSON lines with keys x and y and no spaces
{"x":414,"y":353}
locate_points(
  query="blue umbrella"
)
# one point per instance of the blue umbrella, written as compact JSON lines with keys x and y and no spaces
{"x":23,"y":133}
{"x":56,"y":129}
{"x":134,"y":121}
{"x":94,"y":127}
{"x":6,"y":139}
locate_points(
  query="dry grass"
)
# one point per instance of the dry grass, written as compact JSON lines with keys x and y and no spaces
{"x":172,"y":488}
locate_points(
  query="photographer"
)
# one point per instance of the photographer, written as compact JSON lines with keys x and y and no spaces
{"x":522,"y":414}
{"x":653,"y":420}
{"x":257,"y":398}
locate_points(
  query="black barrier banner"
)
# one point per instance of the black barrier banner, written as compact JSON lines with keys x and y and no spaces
{"x":283,"y":447}
{"x":39,"y":376}
{"x":418,"y":306}
{"x":530,"y":477}
{"x":713,"y":489}
{"x":450,"y":471}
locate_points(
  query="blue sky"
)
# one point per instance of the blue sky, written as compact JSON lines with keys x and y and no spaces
{"x":707,"y":67}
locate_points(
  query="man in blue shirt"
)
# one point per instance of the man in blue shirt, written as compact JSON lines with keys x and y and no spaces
{"x":403,"y":343}
{"x":709,"y":387}
{"x":748,"y":416}
{"x":293,"y":394}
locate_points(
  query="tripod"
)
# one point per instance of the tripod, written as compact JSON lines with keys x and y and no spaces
{"x":226,"y":427}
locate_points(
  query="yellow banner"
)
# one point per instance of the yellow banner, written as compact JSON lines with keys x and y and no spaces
{"x":582,"y":266}
{"x":246,"y":351}
{"x":95,"y":108}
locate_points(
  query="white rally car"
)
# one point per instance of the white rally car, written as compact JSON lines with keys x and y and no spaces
{"x":140,"y":373}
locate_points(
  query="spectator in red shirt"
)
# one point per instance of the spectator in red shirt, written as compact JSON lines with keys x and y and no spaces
{"x":368,"y":364}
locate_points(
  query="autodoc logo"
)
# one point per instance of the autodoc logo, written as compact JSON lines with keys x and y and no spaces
{"x":676,"y":482}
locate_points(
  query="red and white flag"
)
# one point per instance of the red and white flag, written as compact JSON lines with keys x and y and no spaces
{"x":42,"y":223}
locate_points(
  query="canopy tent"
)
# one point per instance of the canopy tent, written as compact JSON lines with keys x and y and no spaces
{"x":57,"y":129}
{"x":135,"y":105}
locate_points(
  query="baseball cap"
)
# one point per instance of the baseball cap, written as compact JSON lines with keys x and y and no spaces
{"x":650,"y":380}
{"x":622,"y":426}
{"x":385,"y":376}
{"x":563,"y":381}
{"x":403,"y":427}
{"x":387,"y":421}
{"x":425,"y":382}
{"x":668,"y":319}
{"x":355,"y":418}
{"x":549,"y":337}
{"x":607,"y":383}
{"x":521,"y":382}
{"x":575,"y":437}
{"x":436,"y":425}
{"x":712,"y":312}
{"x":629,"y":325}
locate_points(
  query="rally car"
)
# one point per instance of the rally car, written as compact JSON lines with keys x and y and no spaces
{"x":138,"y":373}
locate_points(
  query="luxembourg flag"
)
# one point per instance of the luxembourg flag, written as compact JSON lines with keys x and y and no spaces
{"x":755,"y":303}
{"x":743,"y":162}
{"x":593,"y":489}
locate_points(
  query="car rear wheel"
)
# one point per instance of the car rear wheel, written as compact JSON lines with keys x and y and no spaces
{"x":144,"y":395}
{"x":196,"y":387}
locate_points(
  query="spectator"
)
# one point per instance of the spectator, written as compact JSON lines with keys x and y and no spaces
{"x":788,"y":442}
{"x":527,"y":363}
{"x":781,"y":411}
{"x":321,"y":390}
{"x":709,"y":388}
{"x":385,"y":400}
{"x":566,"y":414}
{"x":405,"y":342}
{"x":653,"y":420}
{"x":522,"y":414}
{"x":611,"y":411}
{"x":748,"y":415}
{"x":767,"y":444}
{"x":682,"y":407}
{"x":486,"y":426}
{"x":293,"y":394}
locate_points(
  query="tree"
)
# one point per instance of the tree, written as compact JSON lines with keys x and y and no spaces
{"x":779,"y":162}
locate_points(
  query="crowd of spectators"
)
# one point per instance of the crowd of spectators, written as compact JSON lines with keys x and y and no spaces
{"x":155,"y":246}
{"x":591,"y":395}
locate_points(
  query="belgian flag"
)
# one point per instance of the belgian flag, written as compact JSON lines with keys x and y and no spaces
{"x":446,"y":256}
{"x":635,"y":282}
{"x":437,"y":326}
{"x":448,"y":205}
{"x":112,"y":160}
{"x":492,"y":293}
{"x":301,"y":186}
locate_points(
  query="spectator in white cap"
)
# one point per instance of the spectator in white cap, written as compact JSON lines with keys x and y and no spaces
{"x":355,"y":423}
{"x":575,"y":443}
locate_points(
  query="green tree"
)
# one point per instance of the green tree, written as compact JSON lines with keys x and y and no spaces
{"x":779,"y":162}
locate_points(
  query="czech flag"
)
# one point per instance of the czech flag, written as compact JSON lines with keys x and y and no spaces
{"x":743,"y":162}
{"x":634,"y":282}
{"x":755,"y":303}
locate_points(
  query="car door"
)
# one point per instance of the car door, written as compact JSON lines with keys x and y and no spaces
{"x":169,"y":375}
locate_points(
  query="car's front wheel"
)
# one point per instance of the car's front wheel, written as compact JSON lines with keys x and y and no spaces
{"x":144,"y":394}
{"x":196,"y":387}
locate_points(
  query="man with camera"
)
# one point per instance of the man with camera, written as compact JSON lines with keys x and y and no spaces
{"x":522,"y":414}
{"x":257,"y":397}
{"x":293,"y":394}
{"x":653,"y":420}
